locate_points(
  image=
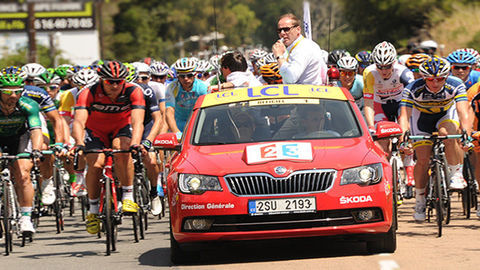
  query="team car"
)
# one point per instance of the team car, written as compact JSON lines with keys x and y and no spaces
{"x":279,"y":161}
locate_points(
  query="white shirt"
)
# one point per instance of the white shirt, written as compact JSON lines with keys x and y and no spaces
{"x":159,"y":89}
{"x":304,"y":63}
{"x":243,"y":79}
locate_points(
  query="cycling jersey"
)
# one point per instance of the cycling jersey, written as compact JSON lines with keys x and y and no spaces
{"x":25,"y":116}
{"x":473,"y":95}
{"x":67,"y":102}
{"x":183,"y":101}
{"x":159,"y":90}
{"x":41,"y":97}
{"x":356,"y":90}
{"x":381,"y":90}
{"x":473,"y":78}
{"x":417,"y":96}
{"x":151,"y":102}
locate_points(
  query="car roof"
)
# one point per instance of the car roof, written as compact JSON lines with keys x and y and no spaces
{"x":272,"y":92}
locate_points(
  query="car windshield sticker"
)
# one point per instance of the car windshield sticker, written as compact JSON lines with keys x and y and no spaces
{"x":273,"y":92}
{"x":284,"y":101}
{"x":261,"y":153}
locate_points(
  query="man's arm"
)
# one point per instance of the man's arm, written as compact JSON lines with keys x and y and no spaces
{"x":369,"y":112}
{"x":170,"y":117}
{"x":79,"y":121}
{"x":58,"y":127}
{"x":37,"y":138}
{"x":404,"y":118}
{"x":463,"y":109}
{"x":164,"y":126}
{"x":157,"y":125}
{"x":137,"y":125}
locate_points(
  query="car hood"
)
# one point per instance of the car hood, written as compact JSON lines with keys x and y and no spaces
{"x":327,"y":154}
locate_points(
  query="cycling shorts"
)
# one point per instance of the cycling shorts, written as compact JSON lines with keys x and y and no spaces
{"x":146,"y":129}
{"x":15,"y":144}
{"x":426,"y":124}
{"x":386,"y":112}
{"x":100,"y":139}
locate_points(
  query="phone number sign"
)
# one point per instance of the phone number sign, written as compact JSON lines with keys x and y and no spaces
{"x":69,"y":17}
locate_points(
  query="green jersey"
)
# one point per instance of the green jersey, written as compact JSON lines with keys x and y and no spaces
{"x":25,"y":116}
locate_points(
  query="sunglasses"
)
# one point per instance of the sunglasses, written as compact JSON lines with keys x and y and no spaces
{"x":144,"y":78}
{"x":347,"y":73}
{"x":384,"y":67}
{"x":161,"y":77}
{"x":437,"y":79}
{"x":12,"y":91}
{"x":51,"y":87}
{"x":285,"y":29}
{"x":461,"y":67}
{"x":414,"y":69}
{"x":183,"y":76}
{"x":114,"y":81}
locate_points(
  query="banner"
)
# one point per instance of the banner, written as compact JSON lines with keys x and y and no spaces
{"x":64,"y":16}
{"x":307,"y":25}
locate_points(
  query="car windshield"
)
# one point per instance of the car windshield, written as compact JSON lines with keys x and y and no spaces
{"x":260,"y":120}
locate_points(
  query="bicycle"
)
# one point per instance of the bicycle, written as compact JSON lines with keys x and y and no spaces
{"x":438,"y":196}
{"x":162,"y":183}
{"x":469,"y":194}
{"x":141,"y":188}
{"x":110,"y":214}
{"x":398,"y":176}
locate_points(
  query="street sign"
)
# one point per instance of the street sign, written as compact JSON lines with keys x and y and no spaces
{"x":50,"y":16}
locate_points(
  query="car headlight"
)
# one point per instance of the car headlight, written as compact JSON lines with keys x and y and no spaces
{"x":198,"y":184}
{"x":363,"y":175}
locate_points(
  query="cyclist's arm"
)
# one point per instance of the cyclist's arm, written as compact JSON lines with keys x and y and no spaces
{"x":368,"y":93}
{"x":404,"y":118}
{"x":79,"y":121}
{"x":164,"y":127}
{"x":57,"y":123}
{"x":36,"y":136}
{"x":170,"y":117}
{"x":157,"y":125}
{"x":137,"y":125}
{"x":466,"y":122}
{"x":369,"y":112}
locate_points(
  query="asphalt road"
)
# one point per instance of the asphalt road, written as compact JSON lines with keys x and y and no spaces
{"x":418,"y":247}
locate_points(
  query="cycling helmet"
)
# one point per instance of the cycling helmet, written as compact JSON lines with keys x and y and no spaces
{"x":132,"y":72}
{"x":85,"y":76}
{"x":364,"y":58}
{"x":267,"y":59}
{"x":384,"y":54}
{"x":335,"y":55}
{"x":270,"y":72}
{"x":402,"y":59}
{"x":62,"y":70}
{"x":141,"y":67}
{"x":461,"y":57}
{"x":256,"y":54}
{"x":159,"y":68}
{"x":414,"y":61}
{"x":14,"y":70}
{"x":348,"y":63}
{"x":112,"y":70}
{"x":11,"y":79}
{"x":429,"y":45}
{"x":47,"y":78}
{"x":435,"y":67}
{"x":185,"y":65}
{"x":204,"y":66}
{"x":33,"y":69}
{"x":215,"y":61}
{"x":333,"y":73}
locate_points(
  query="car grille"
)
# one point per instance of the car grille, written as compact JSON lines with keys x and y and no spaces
{"x":265,"y":184}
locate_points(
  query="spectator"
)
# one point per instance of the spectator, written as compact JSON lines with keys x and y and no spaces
{"x":300,"y":59}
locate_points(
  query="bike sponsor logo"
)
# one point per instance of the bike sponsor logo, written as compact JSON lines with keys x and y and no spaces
{"x":197,"y":206}
{"x":355,"y":199}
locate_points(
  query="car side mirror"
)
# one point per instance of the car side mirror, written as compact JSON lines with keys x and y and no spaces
{"x":167,"y":141}
{"x":387,"y":129}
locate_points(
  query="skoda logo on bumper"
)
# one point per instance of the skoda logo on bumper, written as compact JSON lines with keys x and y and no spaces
{"x":280,"y":170}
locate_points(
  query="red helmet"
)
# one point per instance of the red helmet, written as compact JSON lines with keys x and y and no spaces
{"x":112,"y":70}
{"x":333,"y":73}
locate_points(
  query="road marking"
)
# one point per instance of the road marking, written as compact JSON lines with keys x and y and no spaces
{"x":388,"y":265}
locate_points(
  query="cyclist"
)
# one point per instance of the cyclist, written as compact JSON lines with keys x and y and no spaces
{"x":256,"y":55}
{"x":335,"y":55}
{"x":364,"y":60}
{"x":182,"y":94}
{"x":414,"y":62}
{"x":462,"y":63}
{"x":203,"y":70}
{"x":270,"y":73}
{"x":20,"y":131}
{"x":62,"y":72}
{"x":435,"y":102}
{"x":109,"y":114}
{"x":32,"y":70}
{"x":473,"y":95}
{"x":159,"y":72}
{"x":349,"y":78}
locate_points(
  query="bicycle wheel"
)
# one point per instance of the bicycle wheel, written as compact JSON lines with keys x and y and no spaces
{"x":7,"y":216}
{"x":438,"y":199}
{"x":395,"y":190}
{"x":57,"y":204}
{"x":108,"y":214}
{"x":466,"y":193}
{"x":83,"y":206}
{"x":136,"y":216}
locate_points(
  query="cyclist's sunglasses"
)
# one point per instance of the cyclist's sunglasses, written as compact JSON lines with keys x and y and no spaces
{"x":437,"y":79}
{"x":347,"y":72}
{"x":12,"y":91}
{"x":144,"y":78}
{"x":114,"y":81}
{"x":415,"y":69}
{"x":461,"y":67}
{"x":161,"y":77}
{"x":384,"y":67}
{"x":52,"y":87}
{"x":183,"y":76}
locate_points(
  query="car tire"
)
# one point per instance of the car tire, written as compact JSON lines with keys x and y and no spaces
{"x":385,"y":243}
{"x":178,"y":254}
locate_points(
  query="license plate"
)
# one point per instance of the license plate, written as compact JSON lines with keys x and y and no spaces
{"x":282,"y":206}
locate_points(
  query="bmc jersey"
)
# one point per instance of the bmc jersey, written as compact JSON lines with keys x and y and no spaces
{"x":40,"y":96}
{"x":25,"y":116}
{"x":381,"y":90}
{"x":416,"y":95}
{"x":104,"y":113}
{"x":183,"y":101}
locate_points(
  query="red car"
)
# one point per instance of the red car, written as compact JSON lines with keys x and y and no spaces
{"x":279,"y":161}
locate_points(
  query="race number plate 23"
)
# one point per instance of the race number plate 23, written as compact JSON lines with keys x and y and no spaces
{"x":282,"y":206}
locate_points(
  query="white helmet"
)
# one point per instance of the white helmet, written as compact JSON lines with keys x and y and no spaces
{"x":384,"y":54}
{"x":159,"y":68}
{"x":85,"y":76}
{"x":429,"y":44}
{"x":141,"y":67}
{"x":33,"y":70}
{"x":348,"y":63}
{"x":215,"y":61}
{"x":257,"y":54}
{"x":204,"y":66}
{"x":402,"y":59}
{"x":185,"y":65}
{"x":267,"y":59}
